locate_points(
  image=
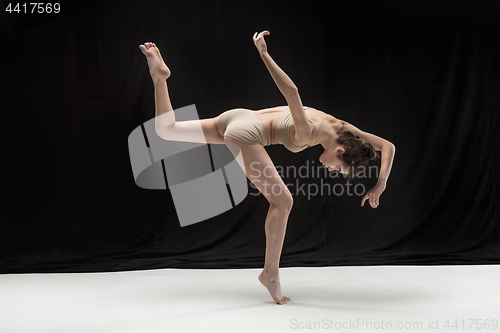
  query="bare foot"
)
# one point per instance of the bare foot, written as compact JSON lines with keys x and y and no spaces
{"x":157,"y":68}
{"x":272,"y":283}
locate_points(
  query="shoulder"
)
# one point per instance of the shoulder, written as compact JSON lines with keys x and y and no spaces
{"x":375,"y":140}
{"x":344,"y":126}
{"x":321,"y":117}
{"x":347,"y":127}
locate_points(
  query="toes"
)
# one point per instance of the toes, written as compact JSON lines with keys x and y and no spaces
{"x":147,"y":46}
{"x":284,"y":300}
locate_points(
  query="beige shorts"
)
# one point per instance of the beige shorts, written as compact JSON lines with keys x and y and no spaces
{"x":244,"y":126}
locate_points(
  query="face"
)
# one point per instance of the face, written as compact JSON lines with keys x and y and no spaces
{"x":331,"y":160}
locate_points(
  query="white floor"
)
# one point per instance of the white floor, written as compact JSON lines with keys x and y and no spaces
{"x":345,"y":299}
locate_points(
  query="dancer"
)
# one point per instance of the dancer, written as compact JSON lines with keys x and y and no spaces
{"x":346,"y":148}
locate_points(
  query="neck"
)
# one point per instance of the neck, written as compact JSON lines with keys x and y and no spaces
{"x":327,"y":135}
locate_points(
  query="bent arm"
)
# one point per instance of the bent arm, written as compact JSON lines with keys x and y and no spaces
{"x":387,"y":149}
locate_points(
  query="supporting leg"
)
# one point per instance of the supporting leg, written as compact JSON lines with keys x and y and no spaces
{"x":261,"y":171}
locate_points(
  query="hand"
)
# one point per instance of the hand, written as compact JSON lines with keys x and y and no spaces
{"x":373,"y":195}
{"x":259,"y":41}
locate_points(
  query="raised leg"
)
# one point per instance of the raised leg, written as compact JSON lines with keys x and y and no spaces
{"x":204,"y":130}
{"x":261,"y":171}
{"x":159,"y":73}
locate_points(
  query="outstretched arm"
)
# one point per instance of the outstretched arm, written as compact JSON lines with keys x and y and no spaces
{"x":284,"y":83}
{"x":287,"y":88}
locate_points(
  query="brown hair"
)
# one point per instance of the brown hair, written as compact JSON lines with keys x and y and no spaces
{"x":357,"y":153}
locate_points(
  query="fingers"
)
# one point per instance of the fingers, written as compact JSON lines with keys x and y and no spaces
{"x":364,"y":199}
{"x":373,"y":200}
{"x":260,"y":35}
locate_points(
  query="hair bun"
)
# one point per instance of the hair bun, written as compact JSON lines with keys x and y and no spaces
{"x":369,"y":150}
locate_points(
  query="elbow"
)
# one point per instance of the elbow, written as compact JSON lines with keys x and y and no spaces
{"x":390,"y":147}
{"x":291,"y":91}
{"x":387,"y":146}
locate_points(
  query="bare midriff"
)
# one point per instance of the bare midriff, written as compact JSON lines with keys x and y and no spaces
{"x":270,"y":116}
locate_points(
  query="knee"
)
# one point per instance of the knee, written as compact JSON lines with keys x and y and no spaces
{"x":283,"y":202}
{"x":163,"y":131}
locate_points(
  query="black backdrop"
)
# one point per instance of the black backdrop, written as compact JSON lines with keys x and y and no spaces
{"x":424,"y":76}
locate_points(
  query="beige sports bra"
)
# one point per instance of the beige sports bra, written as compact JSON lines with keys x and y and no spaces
{"x":283,"y":132}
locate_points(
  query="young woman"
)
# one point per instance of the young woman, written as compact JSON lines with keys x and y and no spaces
{"x":347,"y":149}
